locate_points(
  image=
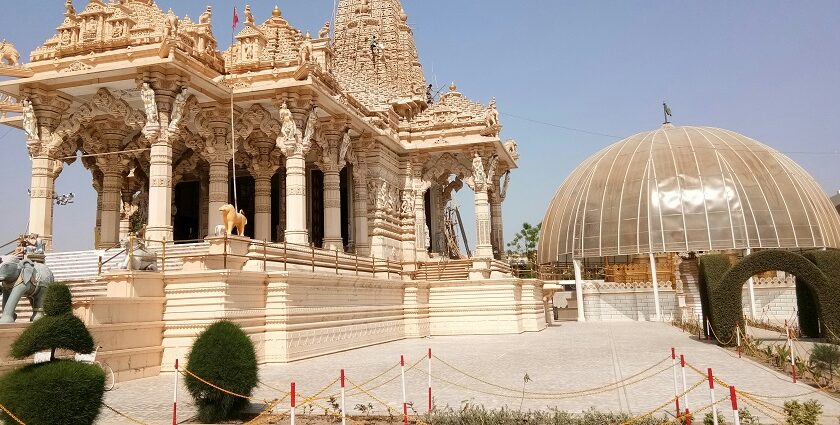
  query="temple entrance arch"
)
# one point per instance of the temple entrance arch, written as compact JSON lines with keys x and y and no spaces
{"x":723,"y":285}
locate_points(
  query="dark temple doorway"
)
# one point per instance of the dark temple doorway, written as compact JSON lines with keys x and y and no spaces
{"x":185,"y":210}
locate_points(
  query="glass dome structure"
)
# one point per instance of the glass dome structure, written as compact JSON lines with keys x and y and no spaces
{"x":678,"y":189}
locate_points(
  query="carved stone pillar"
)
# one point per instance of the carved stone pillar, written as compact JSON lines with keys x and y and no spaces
{"x":332,"y":208}
{"x":219,"y":196}
{"x":262,"y":207}
{"x":44,"y":172}
{"x":360,"y":211}
{"x":97,"y":186}
{"x":483,"y":247}
{"x":111,"y":191}
{"x":497,"y":235}
{"x":421,"y":230}
{"x":203,"y":199}
{"x":296,"y":232}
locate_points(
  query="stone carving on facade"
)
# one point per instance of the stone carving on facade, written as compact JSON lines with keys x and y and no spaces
{"x":147,"y":94}
{"x":344,"y":152}
{"x":305,"y":50}
{"x":178,"y":108}
{"x":492,"y":127}
{"x":407,"y":204}
{"x":171,"y":26}
{"x":9,"y":54}
{"x":206,"y":18}
{"x":513,"y":149}
{"x":325,"y":30}
{"x":249,"y":17}
{"x":479,"y":177}
{"x":30,"y":121}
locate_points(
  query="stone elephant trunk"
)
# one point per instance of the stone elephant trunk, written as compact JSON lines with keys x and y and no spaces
{"x":23,"y":278}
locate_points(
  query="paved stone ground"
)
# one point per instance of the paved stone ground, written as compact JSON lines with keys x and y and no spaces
{"x":566,"y":357}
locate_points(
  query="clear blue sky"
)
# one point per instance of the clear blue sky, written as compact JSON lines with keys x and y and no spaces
{"x":766,"y":69}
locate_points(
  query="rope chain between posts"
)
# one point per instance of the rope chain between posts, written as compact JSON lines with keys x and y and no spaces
{"x":313,"y":397}
{"x":186,"y":371}
{"x":714,"y":334}
{"x":369,"y":394}
{"x":685,"y":415}
{"x":753,"y":403}
{"x":519,"y":391}
{"x":663,"y":405}
{"x":268,"y":409}
{"x":519,"y":396}
{"x":11,"y":415}
{"x":135,"y":420}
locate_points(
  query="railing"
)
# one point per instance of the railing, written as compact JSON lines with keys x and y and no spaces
{"x":276,"y":255}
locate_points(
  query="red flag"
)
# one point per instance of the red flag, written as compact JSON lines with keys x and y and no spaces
{"x":235,"y":18}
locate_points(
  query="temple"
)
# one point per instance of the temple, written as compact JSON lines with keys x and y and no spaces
{"x":332,"y":138}
{"x":333,"y":146}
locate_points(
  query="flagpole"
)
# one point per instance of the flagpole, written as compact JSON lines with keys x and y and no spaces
{"x":232,"y":132}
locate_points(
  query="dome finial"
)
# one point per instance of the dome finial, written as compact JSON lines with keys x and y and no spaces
{"x":667,"y":112}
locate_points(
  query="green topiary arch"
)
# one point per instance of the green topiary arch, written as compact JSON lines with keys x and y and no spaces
{"x":724,"y":286}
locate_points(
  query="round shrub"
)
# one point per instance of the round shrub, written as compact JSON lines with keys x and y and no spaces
{"x":58,"y":300}
{"x":52,"y":332}
{"x":59,"y":392}
{"x":224,"y":356}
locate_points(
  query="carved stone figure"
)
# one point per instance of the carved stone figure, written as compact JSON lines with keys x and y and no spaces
{"x":249,"y":17}
{"x":69,"y":10}
{"x":407,"y":204}
{"x":23,"y":278}
{"x":311,"y":122}
{"x":512,"y":148}
{"x":479,"y":176}
{"x":305,"y":50}
{"x":30,"y":122}
{"x":149,"y":103}
{"x":345,"y":147}
{"x":172,"y":24}
{"x":140,"y":258}
{"x":8,"y":54}
{"x":178,"y":108}
{"x":427,"y":238}
{"x":325,"y":30}
{"x":491,"y":117}
{"x":233,"y":219}
{"x":206,"y":17}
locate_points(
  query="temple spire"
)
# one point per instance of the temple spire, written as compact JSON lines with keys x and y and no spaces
{"x":376,"y":53}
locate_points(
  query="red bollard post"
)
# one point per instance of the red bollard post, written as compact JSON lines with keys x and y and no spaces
{"x":687,"y":417}
{"x":685,"y":384}
{"x":343,"y":414}
{"x":676,"y":388}
{"x":733,"y":396}
{"x":292,"y":395}
{"x":430,"y":380}
{"x":175,"y":397}
{"x":712,"y":394}
{"x":405,"y":402}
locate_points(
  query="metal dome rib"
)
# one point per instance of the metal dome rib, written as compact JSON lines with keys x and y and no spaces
{"x":679,"y":189}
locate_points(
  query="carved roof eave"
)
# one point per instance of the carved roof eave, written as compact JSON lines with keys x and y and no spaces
{"x":463,"y":143}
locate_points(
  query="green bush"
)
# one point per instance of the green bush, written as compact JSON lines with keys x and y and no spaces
{"x":807,"y":413}
{"x":808,"y":309}
{"x":58,"y":300}
{"x":224,"y":356}
{"x":59,"y":391}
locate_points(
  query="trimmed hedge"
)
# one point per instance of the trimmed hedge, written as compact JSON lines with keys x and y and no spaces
{"x":58,"y":392}
{"x":723,"y":287}
{"x":808,"y":310}
{"x":828,"y":297}
{"x":712,"y":268}
{"x":58,"y":329}
{"x":224,"y":356}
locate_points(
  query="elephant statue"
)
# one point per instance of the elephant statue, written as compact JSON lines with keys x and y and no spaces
{"x":138,"y":257}
{"x":23,"y":278}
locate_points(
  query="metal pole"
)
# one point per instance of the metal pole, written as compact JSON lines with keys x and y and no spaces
{"x":655,"y":281}
{"x":751,"y":288}
{"x":733,"y":396}
{"x":676,"y":388}
{"x":175,"y":396}
{"x":343,"y":410}
{"x":579,"y":291}
{"x":405,"y":403}
{"x":685,"y":384}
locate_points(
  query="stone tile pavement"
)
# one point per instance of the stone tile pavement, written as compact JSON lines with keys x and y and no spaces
{"x":564,"y":358}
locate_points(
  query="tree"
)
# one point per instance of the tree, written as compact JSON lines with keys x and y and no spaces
{"x":524,"y":244}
